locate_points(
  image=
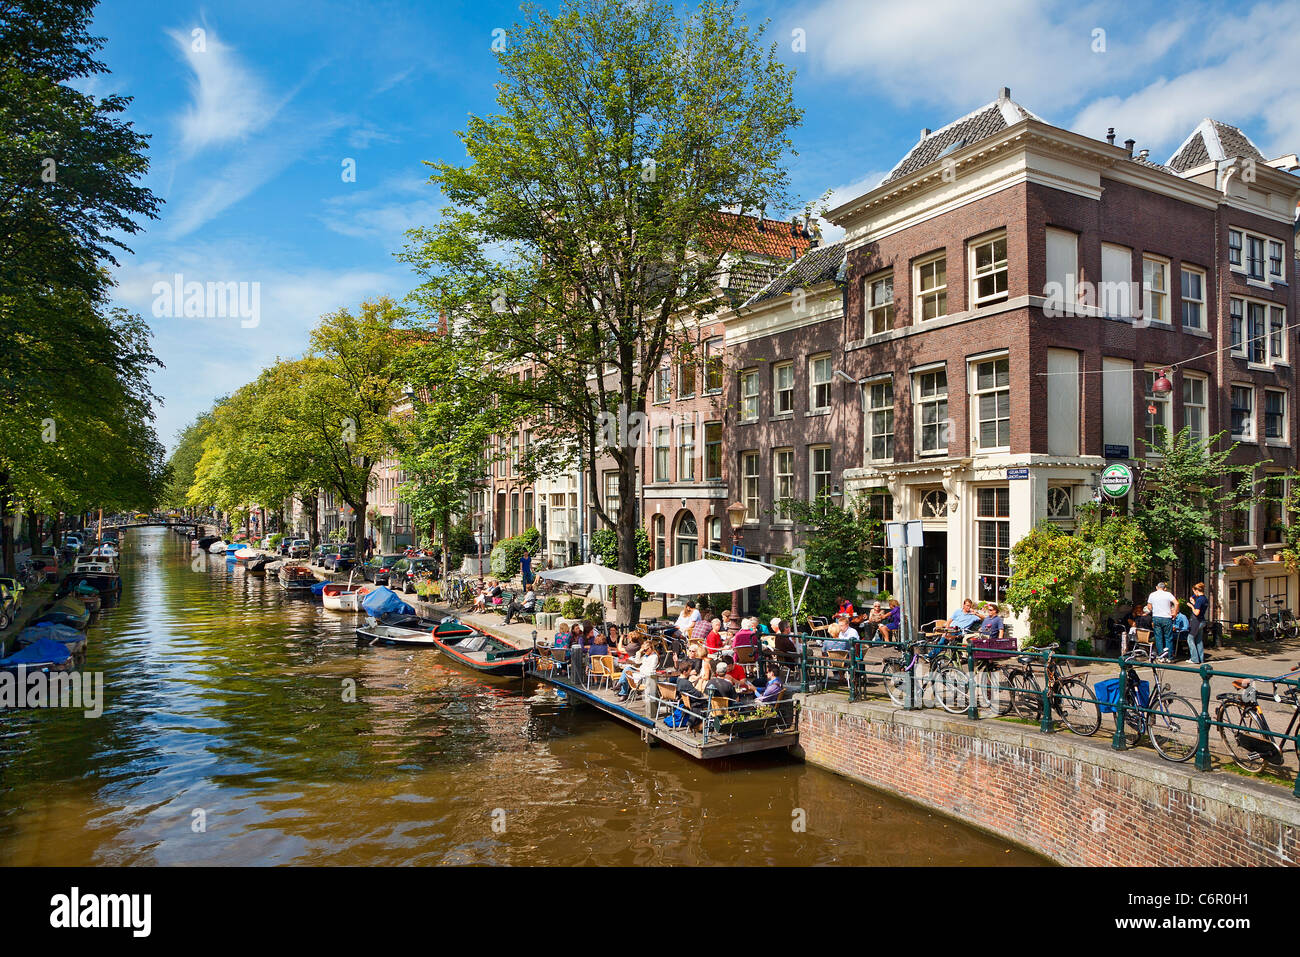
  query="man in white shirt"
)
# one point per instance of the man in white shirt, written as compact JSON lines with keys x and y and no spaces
{"x":1164,"y":606}
{"x":687,"y":619}
{"x":640,"y":672}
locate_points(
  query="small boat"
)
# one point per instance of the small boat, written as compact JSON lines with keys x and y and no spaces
{"x":66,"y":611}
{"x":258,"y":566}
{"x":217,"y":548}
{"x":70,"y":638}
{"x":88,"y":595}
{"x":207,"y":541}
{"x":95,"y":563}
{"x":43,"y":654}
{"x":296,"y":578}
{"x":337,"y":596}
{"x":108,"y":583}
{"x":106,"y":550}
{"x":247,"y":554}
{"x":375,"y":632}
{"x":463,"y":644}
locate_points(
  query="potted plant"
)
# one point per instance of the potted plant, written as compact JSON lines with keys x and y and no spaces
{"x":749,"y":723}
{"x":1245,"y":560}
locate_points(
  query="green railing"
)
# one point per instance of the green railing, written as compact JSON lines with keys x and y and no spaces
{"x":917,"y":674}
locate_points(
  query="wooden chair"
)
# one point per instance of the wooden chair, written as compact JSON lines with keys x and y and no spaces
{"x":744,"y":655}
{"x":834,"y":658}
{"x":666,"y":700}
{"x":718,"y":707}
{"x":596,"y":670}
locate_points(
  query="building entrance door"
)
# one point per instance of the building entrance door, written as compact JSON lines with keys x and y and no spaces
{"x":934,"y":574}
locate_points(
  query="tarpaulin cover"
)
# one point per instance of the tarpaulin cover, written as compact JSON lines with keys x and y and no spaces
{"x":49,"y":631}
{"x":318,"y":589}
{"x":42,"y":651}
{"x":384,"y":601}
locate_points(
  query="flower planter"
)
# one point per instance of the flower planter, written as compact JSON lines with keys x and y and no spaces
{"x":750,"y":728}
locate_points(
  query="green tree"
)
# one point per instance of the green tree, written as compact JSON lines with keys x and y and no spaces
{"x":1189,"y":494}
{"x":586,"y":223}
{"x":840,"y":550}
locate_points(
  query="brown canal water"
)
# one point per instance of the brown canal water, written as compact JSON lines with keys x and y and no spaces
{"x":227,"y":738}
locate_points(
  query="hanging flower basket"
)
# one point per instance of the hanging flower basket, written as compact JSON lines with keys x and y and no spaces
{"x":1245,"y":561}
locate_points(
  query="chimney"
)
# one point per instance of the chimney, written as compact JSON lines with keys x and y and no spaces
{"x":925,"y":131}
{"x":1128,"y":145}
{"x":1110,"y":136}
{"x":794,"y":226}
{"x":1004,"y":94}
{"x":816,"y":235}
{"x":1144,"y":154}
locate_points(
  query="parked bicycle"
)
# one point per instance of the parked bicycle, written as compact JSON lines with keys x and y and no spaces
{"x":1169,"y":720}
{"x":1251,"y":742}
{"x":1069,"y":695}
{"x":1277,"y":623}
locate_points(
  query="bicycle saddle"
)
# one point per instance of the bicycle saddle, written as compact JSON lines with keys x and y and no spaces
{"x":1240,"y":683}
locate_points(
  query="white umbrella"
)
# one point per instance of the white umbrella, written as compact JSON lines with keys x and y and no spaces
{"x":706,"y":577}
{"x":590,"y":574}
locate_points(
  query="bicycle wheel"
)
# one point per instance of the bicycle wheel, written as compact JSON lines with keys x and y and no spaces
{"x":1078,"y":706}
{"x":1025,"y":695}
{"x":992,"y":696}
{"x":1234,"y":712}
{"x":1135,"y":721}
{"x":895,"y":679}
{"x":1266,"y":627}
{"x":952,"y":688}
{"x":1173,"y":728}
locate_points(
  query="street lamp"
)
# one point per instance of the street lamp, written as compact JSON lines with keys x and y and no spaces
{"x":736,"y":515}
{"x":478,"y":517}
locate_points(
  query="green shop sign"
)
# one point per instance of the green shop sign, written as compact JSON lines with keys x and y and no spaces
{"x":1116,"y":480}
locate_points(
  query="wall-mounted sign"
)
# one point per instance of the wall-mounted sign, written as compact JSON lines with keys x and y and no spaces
{"x":1116,"y":480}
{"x":1013,"y":474}
{"x":1115,"y":451}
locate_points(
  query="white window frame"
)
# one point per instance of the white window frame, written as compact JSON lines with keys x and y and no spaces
{"x":920,"y":401}
{"x":779,"y":392}
{"x":749,"y":396}
{"x":782,"y":476}
{"x":879,"y":317}
{"x":1155,"y":296}
{"x":1202,"y":406}
{"x":1280,"y":274}
{"x":813,"y":452}
{"x":1249,"y":434}
{"x":938,"y":292}
{"x":977,"y":447}
{"x":1188,"y":300}
{"x":749,"y":487}
{"x":686,"y":452}
{"x":1266,"y":245}
{"x":996,"y":268}
{"x":1284,"y":438}
{"x":1271,"y":332}
{"x":663,"y":443}
{"x":873,"y":410}
{"x":1165,"y":410}
{"x":815,"y":384}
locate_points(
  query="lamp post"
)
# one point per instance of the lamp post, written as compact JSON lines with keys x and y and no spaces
{"x":478,"y":517}
{"x":736,"y":515}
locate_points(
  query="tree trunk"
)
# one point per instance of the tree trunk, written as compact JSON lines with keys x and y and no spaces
{"x":7,"y":524}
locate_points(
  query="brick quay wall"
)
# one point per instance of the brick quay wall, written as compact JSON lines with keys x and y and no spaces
{"x":1072,"y":799}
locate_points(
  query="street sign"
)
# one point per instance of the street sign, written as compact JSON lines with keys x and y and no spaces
{"x":905,"y":534}
{"x":737,"y":553}
{"x":1115,"y":451}
{"x":1013,"y":474}
{"x":1116,"y":480}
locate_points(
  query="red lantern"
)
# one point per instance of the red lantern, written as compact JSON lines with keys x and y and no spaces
{"x":1162,"y":385}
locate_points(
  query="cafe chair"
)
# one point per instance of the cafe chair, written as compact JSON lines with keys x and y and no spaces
{"x":596,"y":670}
{"x":666,"y":700}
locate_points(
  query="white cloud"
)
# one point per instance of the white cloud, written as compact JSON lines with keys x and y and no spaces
{"x":229,"y":102}
{"x":842,"y":194}
{"x":384,"y":212}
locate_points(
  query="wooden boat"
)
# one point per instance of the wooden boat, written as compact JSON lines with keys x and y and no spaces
{"x":258,"y":566}
{"x":70,"y":638}
{"x":246,"y":554}
{"x":464,"y":645}
{"x":296,"y":578}
{"x":43,"y":654}
{"x":66,"y":611}
{"x":88,"y":595}
{"x":109,"y":584}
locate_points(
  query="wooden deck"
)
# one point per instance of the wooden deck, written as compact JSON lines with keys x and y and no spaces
{"x":640,"y":715}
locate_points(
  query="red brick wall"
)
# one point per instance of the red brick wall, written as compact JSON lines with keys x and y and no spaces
{"x":1069,"y":798}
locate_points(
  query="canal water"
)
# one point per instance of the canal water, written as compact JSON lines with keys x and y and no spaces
{"x":243,"y":726}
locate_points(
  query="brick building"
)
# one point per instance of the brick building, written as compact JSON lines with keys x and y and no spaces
{"x":1013,"y":291}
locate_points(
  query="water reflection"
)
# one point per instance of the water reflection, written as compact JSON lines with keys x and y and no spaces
{"x":231,"y":735}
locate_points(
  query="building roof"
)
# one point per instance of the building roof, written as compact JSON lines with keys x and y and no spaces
{"x":746,"y":278}
{"x":763,"y":237}
{"x":987,"y":121}
{"x":818,"y":265}
{"x":1212,"y":141}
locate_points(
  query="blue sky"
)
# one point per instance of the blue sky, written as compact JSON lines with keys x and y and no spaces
{"x":250,"y":133}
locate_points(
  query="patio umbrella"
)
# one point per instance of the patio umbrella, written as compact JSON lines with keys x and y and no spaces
{"x":706,"y":577}
{"x":591,"y":574}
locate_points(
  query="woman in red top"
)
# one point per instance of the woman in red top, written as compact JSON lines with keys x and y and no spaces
{"x":846,"y":607}
{"x":713,"y":643}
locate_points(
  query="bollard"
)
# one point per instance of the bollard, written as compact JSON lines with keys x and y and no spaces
{"x":1203,"y":762}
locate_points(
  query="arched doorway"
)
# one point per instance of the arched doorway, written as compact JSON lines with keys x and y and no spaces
{"x":686,"y":540}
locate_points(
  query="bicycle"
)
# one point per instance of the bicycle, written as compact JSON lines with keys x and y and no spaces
{"x":1250,"y":744}
{"x":956,"y":683}
{"x":1068,"y":693}
{"x":1169,"y":720}
{"x":1269,"y":626}
{"x":897,"y":667}
{"x":32,"y":574}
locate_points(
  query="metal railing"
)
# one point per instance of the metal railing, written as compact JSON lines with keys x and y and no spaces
{"x":919,"y":673}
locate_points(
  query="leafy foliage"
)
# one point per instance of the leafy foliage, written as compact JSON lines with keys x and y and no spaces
{"x":840,"y":549}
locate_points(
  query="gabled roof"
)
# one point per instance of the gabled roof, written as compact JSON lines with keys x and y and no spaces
{"x":746,"y":278}
{"x":987,"y":121}
{"x":742,"y":234}
{"x":1212,"y":141}
{"x":819,"y":265}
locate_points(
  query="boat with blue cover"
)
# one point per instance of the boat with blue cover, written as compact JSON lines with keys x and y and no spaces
{"x":66,"y":611}
{"x":70,"y":638}
{"x":43,"y":654}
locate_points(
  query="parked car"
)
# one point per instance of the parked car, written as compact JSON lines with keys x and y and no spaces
{"x":8,"y":606}
{"x":406,"y":571}
{"x":341,"y":558}
{"x":379,"y":568}
{"x":299,"y":548}
{"x":73,"y":541}
{"x":15,"y":589}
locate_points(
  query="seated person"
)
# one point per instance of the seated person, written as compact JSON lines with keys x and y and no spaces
{"x":833,"y":640}
{"x":713,"y":640}
{"x":638,"y":672}
{"x":597,"y":644}
{"x":787,"y":649}
{"x":891,"y":622}
{"x":687,"y":693}
{"x":991,"y":630}
{"x":703,"y":672}
{"x":720,"y":686}
{"x":771,"y":691}
{"x":629,"y":644}
{"x":745,"y":637}
{"x":1138,"y":622}
{"x":700,"y":630}
{"x":527,"y":607}
{"x":480,"y":601}
{"x":687,"y":619}
{"x":845,"y":607}
{"x":563,"y":639}
{"x":964,"y":619}
{"x":1181,"y":624}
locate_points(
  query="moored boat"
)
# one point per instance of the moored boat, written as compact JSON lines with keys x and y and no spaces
{"x":258,"y":566}
{"x":66,"y":611}
{"x":217,"y":548}
{"x":478,"y":650}
{"x":338,"y":596}
{"x":70,"y":638}
{"x":43,"y":654}
{"x":246,"y":554}
{"x":296,"y":578}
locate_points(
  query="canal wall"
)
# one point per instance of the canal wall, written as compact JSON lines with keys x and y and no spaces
{"x":1073,"y":799}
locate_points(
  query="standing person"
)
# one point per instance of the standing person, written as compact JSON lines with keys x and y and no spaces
{"x":1200,"y":607}
{"x":1163,"y":608}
